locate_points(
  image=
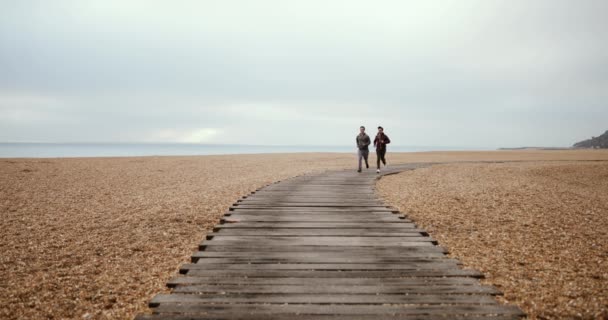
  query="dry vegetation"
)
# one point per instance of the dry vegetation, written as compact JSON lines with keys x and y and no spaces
{"x":97,"y":238}
{"x":538,"y":231}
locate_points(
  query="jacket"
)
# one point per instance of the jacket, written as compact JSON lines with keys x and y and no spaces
{"x":381,"y":141}
{"x":363,"y":141}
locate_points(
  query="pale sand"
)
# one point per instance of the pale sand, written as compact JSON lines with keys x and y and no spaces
{"x":98,"y":237}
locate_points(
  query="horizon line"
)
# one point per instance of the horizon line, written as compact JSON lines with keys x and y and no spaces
{"x":234,"y":144}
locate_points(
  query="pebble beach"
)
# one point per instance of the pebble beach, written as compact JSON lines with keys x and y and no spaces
{"x":97,"y":238}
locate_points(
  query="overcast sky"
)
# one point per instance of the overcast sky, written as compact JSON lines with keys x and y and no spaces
{"x":433,"y":73}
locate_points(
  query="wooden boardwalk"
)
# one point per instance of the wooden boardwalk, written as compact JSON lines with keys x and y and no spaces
{"x":324,"y":247}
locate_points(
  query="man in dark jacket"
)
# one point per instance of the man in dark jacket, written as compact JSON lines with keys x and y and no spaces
{"x":363,"y":142}
{"x":380,"y":143}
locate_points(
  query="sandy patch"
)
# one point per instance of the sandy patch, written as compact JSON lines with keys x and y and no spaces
{"x":538,"y":231}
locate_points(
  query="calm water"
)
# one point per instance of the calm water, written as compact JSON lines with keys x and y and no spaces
{"x":61,"y":150}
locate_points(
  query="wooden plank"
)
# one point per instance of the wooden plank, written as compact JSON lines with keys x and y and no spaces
{"x":452,"y":272}
{"x":382,"y":289}
{"x":320,"y":232}
{"x":315,"y":209}
{"x":321,"y":259}
{"x":351,"y":239}
{"x":302,"y":186}
{"x":310,"y":205}
{"x":344,"y":213}
{"x":318,"y":298}
{"x":233,"y":316}
{"x":397,"y":224}
{"x":317,"y":191}
{"x":322,"y":241}
{"x":324,"y":259}
{"x":202,"y":264}
{"x":313,"y":281}
{"x":308,"y":198}
{"x":311,"y":244}
{"x":337,"y":181}
{"x":319,"y":217}
{"x":378,"y":310}
{"x":210,"y":247}
{"x":288,"y":211}
{"x":342,"y":191}
{"x":312,"y":218}
{"x":316,"y":201}
{"x":314,"y":194}
{"x":330,"y":186}
{"x":290,"y":196}
{"x":329,"y":255}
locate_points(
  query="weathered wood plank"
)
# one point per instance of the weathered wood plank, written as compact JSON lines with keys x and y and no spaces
{"x":314,"y":209}
{"x":235,"y":316}
{"x":320,"y":309}
{"x":318,"y":298}
{"x":308,"y":202}
{"x":291,"y":196}
{"x":313,"y":281}
{"x":452,"y":272}
{"x":313,"y":218}
{"x":338,"y":289}
{"x":404,"y":253}
{"x":342,"y":213}
{"x":306,"y":245}
{"x":399,"y":224}
{"x":324,"y":240}
{"x":370,"y":206}
{"x":326,"y":259}
{"x":320,"y":232}
{"x":210,"y":247}
{"x":202,"y":264}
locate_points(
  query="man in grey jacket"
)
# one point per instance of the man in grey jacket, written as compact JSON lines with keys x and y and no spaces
{"x":363,"y":142}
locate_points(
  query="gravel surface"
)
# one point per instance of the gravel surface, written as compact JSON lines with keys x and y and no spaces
{"x":538,"y":231}
{"x":97,"y":238}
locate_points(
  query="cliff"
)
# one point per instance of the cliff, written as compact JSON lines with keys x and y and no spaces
{"x":600,"y":142}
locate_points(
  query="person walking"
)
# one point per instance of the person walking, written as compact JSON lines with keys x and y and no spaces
{"x":380,"y":143}
{"x":363,"y":141}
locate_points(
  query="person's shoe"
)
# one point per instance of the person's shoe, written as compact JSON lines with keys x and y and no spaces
{"x":359,"y":170}
{"x":378,"y":171}
{"x":366,"y":166}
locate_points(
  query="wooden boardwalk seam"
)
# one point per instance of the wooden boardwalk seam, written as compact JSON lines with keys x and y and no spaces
{"x":324,"y":247}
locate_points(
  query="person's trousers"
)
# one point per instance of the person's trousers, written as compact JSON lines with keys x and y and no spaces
{"x":380,"y":157}
{"x":363,"y":154}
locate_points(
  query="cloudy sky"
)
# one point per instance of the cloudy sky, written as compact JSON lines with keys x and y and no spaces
{"x":434,"y":73}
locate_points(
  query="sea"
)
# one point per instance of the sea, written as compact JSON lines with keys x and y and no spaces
{"x":78,"y":150}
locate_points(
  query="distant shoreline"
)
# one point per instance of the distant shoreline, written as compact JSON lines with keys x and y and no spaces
{"x":88,"y":150}
{"x":538,"y":148}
